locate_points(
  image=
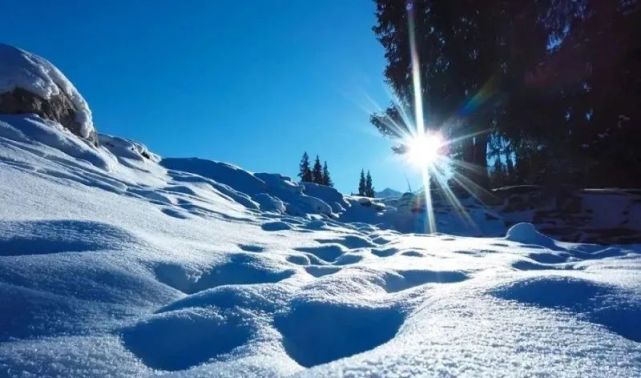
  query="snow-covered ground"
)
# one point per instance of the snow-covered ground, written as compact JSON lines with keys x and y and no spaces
{"x":115,"y":262}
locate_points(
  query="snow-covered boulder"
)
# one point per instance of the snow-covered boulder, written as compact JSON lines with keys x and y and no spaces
{"x":31,"y":84}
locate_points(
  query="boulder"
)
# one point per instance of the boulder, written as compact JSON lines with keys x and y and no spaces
{"x":31,"y":84}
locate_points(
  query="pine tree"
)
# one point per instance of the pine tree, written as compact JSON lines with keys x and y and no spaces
{"x":327,"y":180}
{"x":369,"y":189}
{"x":317,"y":172}
{"x":305,"y":173}
{"x":361,"y":184}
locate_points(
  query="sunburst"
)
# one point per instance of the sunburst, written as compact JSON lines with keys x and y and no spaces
{"x":427,"y":147}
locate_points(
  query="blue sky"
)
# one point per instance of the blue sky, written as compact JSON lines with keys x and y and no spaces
{"x":254,"y":83}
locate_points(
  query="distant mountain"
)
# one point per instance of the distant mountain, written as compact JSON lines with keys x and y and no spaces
{"x":388,"y":193}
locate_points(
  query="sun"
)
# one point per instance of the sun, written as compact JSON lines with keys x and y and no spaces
{"x":424,"y":150}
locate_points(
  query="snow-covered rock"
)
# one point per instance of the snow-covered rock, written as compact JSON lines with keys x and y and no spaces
{"x":31,"y":84}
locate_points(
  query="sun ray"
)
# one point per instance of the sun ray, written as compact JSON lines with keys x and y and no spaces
{"x":416,"y":73}
{"x":428,"y":148}
{"x":452,"y":199}
{"x":467,"y":166}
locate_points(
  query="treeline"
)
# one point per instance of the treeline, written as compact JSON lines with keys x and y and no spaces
{"x":318,"y":174}
{"x":550,"y":89}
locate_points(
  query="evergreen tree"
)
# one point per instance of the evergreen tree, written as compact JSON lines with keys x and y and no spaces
{"x":369,"y":189}
{"x":304,"y":173}
{"x":558,"y":78}
{"x":317,"y":172}
{"x":327,"y":180}
{"x":462,"y":51}
{"x":361,"y":184}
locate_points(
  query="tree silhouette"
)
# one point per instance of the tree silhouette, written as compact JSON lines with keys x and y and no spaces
{"x":369,"y":188}
{"x":327,"y":179}
{"x":304,"y":173}
{"x":558,"y":79}
{"x":361,"y":184}
{"x":317,"y":172}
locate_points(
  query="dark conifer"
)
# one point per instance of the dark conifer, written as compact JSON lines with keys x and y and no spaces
{"x":327,"y":179}
{"x":317,"y":172}
{"x":361,"y":184}
{"x":305,"y":174}
{"x":369,"y":188}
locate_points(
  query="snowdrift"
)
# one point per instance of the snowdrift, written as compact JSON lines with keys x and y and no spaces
{"x":116,"y":262}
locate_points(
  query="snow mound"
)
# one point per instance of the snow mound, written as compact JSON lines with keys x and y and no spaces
{"x":239,"y":270}
{"x":22,"y":70}
{"x":32,"y":131}
{"x":526,"y":233}
{"x":328,"y":195}
{"x":127,"y":149}
{"x":598,"y":303}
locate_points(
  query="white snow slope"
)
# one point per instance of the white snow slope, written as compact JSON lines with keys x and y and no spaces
{"x":115,"y":263}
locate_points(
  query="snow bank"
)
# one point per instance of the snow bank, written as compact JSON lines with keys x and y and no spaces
{"x":273,"y":192}
{"x":328,"y":195}
{"x":33,"y":131}
{"x":36,"y":75}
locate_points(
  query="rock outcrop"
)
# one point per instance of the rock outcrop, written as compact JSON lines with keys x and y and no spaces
{"x":31,"y":84}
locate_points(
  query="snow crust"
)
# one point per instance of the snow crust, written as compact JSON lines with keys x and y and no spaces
{"x":22,"y":69}
{"x":115,"y":262}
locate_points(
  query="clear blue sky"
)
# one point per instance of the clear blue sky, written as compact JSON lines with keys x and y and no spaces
{"x":253,"y":82}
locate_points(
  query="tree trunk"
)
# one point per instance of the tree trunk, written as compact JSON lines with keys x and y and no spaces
{"x":479,"y":159}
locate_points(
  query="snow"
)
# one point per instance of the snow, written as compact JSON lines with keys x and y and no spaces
{"x":22,"y":69}
{"x":526,"y":233}
{"x":115,"y":262}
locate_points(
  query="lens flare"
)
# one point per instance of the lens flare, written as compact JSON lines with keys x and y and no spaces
{"x":424,"y":150}
{"x":430,"y":145}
